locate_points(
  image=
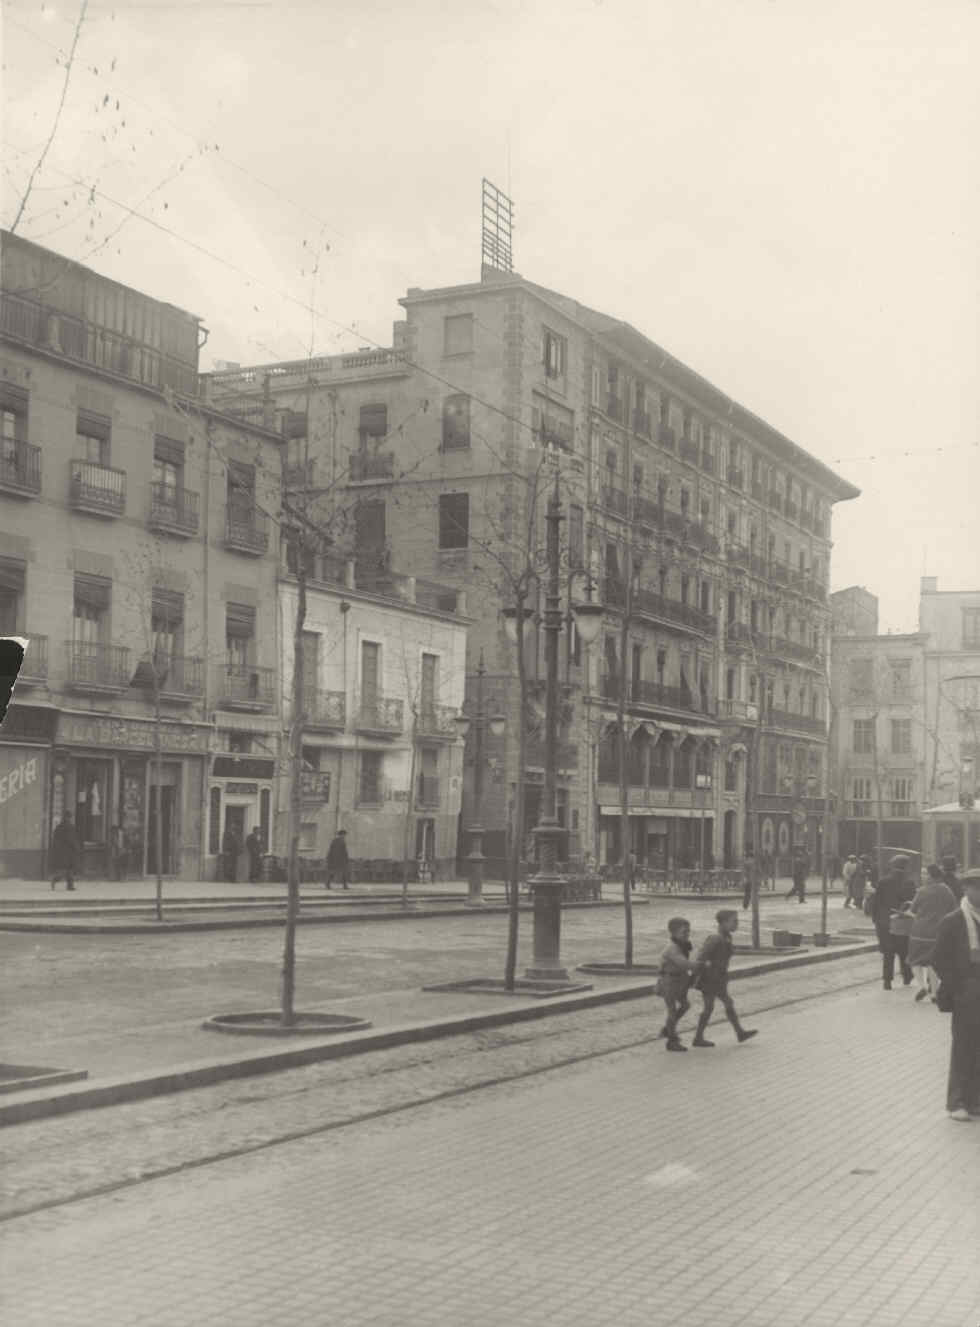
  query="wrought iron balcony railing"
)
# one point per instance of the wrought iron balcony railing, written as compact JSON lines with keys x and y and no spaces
{"x":246,"y":529}
{"x":174,"y":509}
{"x":377,"y":465}
{"x":245,"y":686}
{"x":660,"y":695}
{"x":98,"y":489}
{"x":35,"y":665}
{"x":324,"y":709}
{"x":97,"y":667}
{"x":380,"y":714}
{"x":20,"y":468}
{"x":657,"y":605}
{"x":747,"y":711}
{"x":183,"y":676}
{"x":803,"y":723}
{"x":791,"y":649}
{"x":437,"y":721}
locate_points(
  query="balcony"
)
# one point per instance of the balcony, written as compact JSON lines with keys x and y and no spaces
{"x":699,"y":536}
{"x":689,"y":451}
{"x":646,"y":512}
{"x":48,"y":328}
{"x":97,"y":489}
{"x":802,"y":723}
{"x":20,"y":469}
{"x":174,"y":510}
{"x":642,"y":795}
{"x":97,"y":667}
{"x":614,"y":407}
{"x":742,"y":711}
{"x":380,"y":715}
{"x":245,"y":687}
{"x":427,"y":791}
{"x":656,"y":605}
{"x":184,"y":679}
{"x":436,"y":721}
{"x":246,"y":529}
{"x":735,"y":476}
{"x":614,"y":499}
{"x":373,"y":465}
{"x":666,"y":436}
{"x":641,"y":423}
{"x":35,"y":666}
{"x":658,"y":695}
{"x":791,"y":649}
{"x":326,"y":710}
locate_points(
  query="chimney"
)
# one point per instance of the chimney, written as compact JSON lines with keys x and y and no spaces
{"x":929,"y":585}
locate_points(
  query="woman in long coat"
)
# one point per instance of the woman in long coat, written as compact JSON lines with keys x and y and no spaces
{"x":933,"y":900}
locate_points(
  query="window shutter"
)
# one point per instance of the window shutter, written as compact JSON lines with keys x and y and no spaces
{"x":12,"y":574}
{"x":95,"y":591}
{"x":169,"y":450}
{"x":12,"y":398}
{"x":93,"y":425}
{"x":239,"y":620}
{"x":168,"y":604}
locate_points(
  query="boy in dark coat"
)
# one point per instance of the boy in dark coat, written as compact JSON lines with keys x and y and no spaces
{"x":338,"y":859}
{"x":956,"y":960}
{"x":676,"y":967}
{"x":64,"y":852}
{"x":893,"y":891}
{"x":715,"y":955}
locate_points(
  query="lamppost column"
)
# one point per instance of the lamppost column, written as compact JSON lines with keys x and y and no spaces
{"x":548,"y":884}
{"x":474,"y":898}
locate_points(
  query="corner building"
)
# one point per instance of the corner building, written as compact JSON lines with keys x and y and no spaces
{"x":134,"y":528}
{"x":445,"y":446}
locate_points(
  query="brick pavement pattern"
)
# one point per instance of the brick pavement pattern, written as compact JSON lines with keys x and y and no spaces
{"x":805,"y":1179}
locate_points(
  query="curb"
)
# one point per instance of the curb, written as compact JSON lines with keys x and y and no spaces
{"x":44,"y":1105}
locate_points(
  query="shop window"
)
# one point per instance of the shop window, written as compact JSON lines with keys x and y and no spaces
{"x":369,"y":789}
{"x":454,"y":520}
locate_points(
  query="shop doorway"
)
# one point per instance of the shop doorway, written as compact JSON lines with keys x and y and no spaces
{"x":91,"y":804}
{"x":168,"y":806}
{"x":235,"y":819}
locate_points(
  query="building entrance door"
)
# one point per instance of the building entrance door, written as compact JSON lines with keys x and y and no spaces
{"x":168,"y":804}
{"x":235,"y":819}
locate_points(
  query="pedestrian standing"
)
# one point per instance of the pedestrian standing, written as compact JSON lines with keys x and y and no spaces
{"x":800,"y":868}
{"x":338,"y":859}
{"x":253,"y":846}
{"x":956,"y":959}
{"x":715,"y":956}
{"x":117,"y":839}
{"x":750,"y":879}
{"x":631,"y":868}
{"x":64,"y":852}
{"x":933,"y":901}
{"x":230,"y":848}
{"x":892,"y":892}
{"x":676,"y":969}
{"x":849,"y":872}
{"x":948,"y":863}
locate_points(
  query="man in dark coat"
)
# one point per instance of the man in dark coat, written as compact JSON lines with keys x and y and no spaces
{"x":956,"y":960}
{"x":230,"y":848}
{"x":948,"y":864}
{"x":64,"y":852}
{"x":338,"y":859}
{"x":253,"y":845}
{"x":750,"y":879}
{"x":892,"y":892}
{"x":801,"y":866}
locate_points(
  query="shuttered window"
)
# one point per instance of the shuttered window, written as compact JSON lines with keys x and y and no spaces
{"x":373,"y":421}
{"x":168,"y":450}
{"x":454,"y":520}
{"x":239,"y":620}
{"x":95,"y":591}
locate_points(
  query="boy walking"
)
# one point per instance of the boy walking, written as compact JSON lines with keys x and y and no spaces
{"x":715,"y":956}
{"x":676,"y":967}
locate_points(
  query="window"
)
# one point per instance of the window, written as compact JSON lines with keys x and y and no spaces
{"x":901,"y":673}
{"x":576,"y":537}
{"x":861,"y":797}
{"x":372,"y":423}
{"x":863,"y":742}
{"x":552,"y":425}
{"x":860,"y":673}
{"x":429,"y":684}
{"x":167,"y":626}
{"x":92,"y":435}
{"x":454,"y":520}
{"x":705,"y":511}
{"x":901,"y":737}
{"x":458,"y":334}
{"x":370,"y":676}
{"x":685,"y":587}
{"x":637,"y":478}
{"x":241,"y":493}
{"x":369,"y":532}
{"x":731,"y":522}
{"x":554,"y":352}
{"x":12,"y":579}
{"x":239,"y":637}
{"x":729,"y":683}
{"x":370,"y":787}
{"x":971,"y":628}
{"x":311,"y":663}
{"x":685,"y":502}
{"x":731,"y":775}
{"x":705,"y":604}
{"x":92,"y":596}
{"x":902,"y":797}
{"x":168,"y":470}
{"x":456,"y":423}
{"x":13,"y":421}
{"x":661,"y":666}
{"x":240,"y":743}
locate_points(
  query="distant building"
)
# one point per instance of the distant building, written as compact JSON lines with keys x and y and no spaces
{"x":854,"y":612}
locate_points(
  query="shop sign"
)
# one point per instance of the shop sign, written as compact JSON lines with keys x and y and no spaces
{"x":18,"y":779}
{"x":127,"y":734}
{"x":22,"y":780}
{"x":243,"y":767}
{"x":241,"y":789}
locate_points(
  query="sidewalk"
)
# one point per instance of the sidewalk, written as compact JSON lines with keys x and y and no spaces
{"x":128,"y":1009}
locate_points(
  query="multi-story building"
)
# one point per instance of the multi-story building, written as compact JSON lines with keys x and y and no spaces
{"x":878,"y":731}
{"x":443,"y":448}
{"x":384,"y":671}
{"x":138,"y":542}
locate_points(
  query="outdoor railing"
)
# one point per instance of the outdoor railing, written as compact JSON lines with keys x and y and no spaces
{"x":614,"y":499}
{"x":245,"y":528}
{"x":660,"y":694}
{"x":801,"y":722}
{"x":324,"y":709}
{"x":364,"y":465}
{"x":20,"y":467}
{"x":184,"y":676}
{"x":380,"y":714}
{"x":97,"y":488}
{"x":97,"y":667}
{"x":173,"y":508}
{"x":437,"y":721}
{"x":745,"y":710}
{"x":791,"y":649}
{"x":246,"y":685}
{"x":656,"y":605}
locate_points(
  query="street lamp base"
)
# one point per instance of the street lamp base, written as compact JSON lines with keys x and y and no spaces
{"x":546,"y":974}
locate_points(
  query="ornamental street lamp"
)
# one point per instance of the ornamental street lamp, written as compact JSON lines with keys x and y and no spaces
{"x":548,"y":883}
{"x":480,"y":721}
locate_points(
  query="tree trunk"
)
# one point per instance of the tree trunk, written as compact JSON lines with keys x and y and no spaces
{"x":295,"y":798}
{"x":517,"y":828}
{"x":158,"y":760}
{"x":624,"y":803}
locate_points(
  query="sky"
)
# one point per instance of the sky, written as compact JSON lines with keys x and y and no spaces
{"x":785,"y":196}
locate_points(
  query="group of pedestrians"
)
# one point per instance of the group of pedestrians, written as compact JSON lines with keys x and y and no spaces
{"x":707,"y":973}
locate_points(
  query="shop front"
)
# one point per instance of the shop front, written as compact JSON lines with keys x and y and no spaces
{"x":663,"y":838}
{"x":239,"y":800}
{"x":25,"y":746}
{"x":104,"y":771}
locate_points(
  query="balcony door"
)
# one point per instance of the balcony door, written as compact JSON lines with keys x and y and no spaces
{"x":370,"y":676}
{"x":428,"y":685}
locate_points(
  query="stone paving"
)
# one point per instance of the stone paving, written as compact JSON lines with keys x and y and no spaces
{"x":809,"y":1178}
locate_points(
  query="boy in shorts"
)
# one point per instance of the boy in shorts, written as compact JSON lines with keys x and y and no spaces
{"x":715,"y":955}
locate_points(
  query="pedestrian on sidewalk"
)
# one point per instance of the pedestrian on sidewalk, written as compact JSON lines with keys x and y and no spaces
{"x":893,"y":891}
{"x":676,"y":970}
{"x":956,"y":959}
{"x":851,"y":869}
{"x":118,"y":841}
{"x":231,"y":846}
{"x":338,"y":859}
{"x":715,"y":956}
{"x":933,"y":901}
{"x":750,"y":879}
{"x":64,"y":852}
{"x":801,"y":866}
{"x":253,"y":845}
{"x":948,"y":863}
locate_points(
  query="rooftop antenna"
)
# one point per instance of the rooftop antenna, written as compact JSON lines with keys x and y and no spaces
{"x":497,"y":232}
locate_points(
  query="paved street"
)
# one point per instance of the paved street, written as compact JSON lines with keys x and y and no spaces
{"x":808,"y":1177}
